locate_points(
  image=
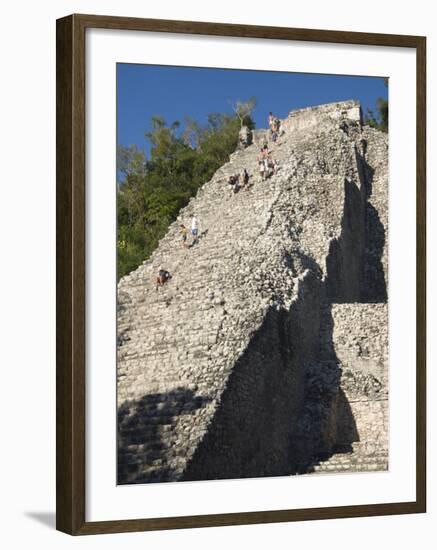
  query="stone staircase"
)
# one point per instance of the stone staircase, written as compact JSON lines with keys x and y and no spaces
{"x":360,"y":459}
{"x":211,"y":366}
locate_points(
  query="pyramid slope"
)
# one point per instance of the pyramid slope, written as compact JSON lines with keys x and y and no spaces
{"x":212,"y":366}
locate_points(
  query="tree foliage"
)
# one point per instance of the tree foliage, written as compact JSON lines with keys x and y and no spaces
{"x":244,"y":109}
{"x":152,"y":191}
{"x":379,"y":120}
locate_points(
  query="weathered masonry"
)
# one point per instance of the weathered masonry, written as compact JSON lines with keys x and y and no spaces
{"x":266,"y":354}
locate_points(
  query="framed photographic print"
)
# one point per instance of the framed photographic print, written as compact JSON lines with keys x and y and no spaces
{"x":240,"y":274}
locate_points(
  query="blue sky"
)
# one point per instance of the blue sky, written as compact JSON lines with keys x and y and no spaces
{"x":175,"y":92}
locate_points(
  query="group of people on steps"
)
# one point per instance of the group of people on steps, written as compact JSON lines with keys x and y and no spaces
{"x":266,"y":163}
{"x":194,"y":232}
{"x":239,"y":181}
{"x":267,"y":167}
{"x":163,"y":275}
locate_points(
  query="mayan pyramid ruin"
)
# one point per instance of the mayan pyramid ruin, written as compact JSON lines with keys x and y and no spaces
{"x":266,"y":354}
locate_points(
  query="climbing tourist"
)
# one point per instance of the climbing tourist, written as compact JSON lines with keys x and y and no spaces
{"x":264,"y":151}
{"x":234,"y":182}
{"x":267,"y":167}
{"x":262,"y":168}
{"x":184,"y":235}
{"x":237,"y":184}
{"x":277,"y":126}
{"x":194,"y":229}
{"x":162,"y":278}
{"x":244,"y":177}
{"x":275,"y":166}
{"x":273,"y":126}
{"x":271,"y":162}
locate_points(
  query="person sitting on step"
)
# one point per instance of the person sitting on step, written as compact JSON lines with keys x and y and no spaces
{"x":244,"y":178}
{"x":234,"y":181}
{"x":162,"y":277}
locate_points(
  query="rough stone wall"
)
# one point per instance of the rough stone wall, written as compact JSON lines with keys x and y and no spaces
{"x":303,"y":119}
{"x":360,"y":337}
{"x":375,"y":149}
{"x":251,"y":430}
{"x":230,"y":370}
{"x":360,"y":334}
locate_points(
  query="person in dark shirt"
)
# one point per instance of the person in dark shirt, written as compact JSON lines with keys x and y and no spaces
{"x":244,"y":178}
{"x":162,"y":277}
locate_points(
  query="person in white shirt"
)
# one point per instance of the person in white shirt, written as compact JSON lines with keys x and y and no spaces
{"x":262,"y":168}
{"x":194,"y":229}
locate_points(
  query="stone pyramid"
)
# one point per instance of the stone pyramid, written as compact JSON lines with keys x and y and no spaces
{"x":266,"y":352}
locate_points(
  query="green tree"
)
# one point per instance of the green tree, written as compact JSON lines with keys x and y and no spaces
{"x":152,"y":191}
{"x":379,"y":120}
{"x":244,"y":109}
{"x":130,"y":160}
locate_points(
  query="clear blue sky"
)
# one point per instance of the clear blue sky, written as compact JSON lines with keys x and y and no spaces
{"x":174,"y":92}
